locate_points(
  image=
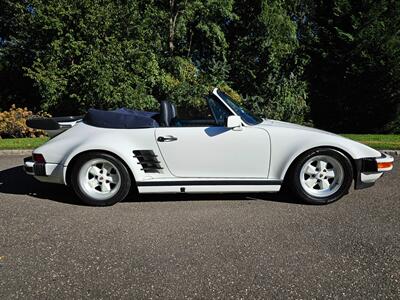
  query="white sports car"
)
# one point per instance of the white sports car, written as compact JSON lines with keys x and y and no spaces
{"x":219,"y":147}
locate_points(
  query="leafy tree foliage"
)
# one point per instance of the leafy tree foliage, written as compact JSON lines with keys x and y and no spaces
{"x":266,"y":66}
{"x":355,"y":59}
{"x":83,"y":55}
{"x":333,"y":61}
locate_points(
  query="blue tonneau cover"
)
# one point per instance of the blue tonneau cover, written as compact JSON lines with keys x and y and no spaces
{"x":120,"y":118}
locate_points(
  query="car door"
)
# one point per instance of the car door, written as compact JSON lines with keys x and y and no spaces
{"x":213,"y":150}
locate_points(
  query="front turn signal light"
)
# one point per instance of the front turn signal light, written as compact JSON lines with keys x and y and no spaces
{"x":384,"y":166}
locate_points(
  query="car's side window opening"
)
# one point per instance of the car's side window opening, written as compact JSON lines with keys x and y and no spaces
{"x":219,"y":110}
{"x":246,"y":115}
{"x":208,"y":112}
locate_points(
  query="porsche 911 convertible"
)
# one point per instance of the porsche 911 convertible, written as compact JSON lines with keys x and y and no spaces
{"x":218,"y":147}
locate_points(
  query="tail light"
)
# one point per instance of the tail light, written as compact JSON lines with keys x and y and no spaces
{"x":38,"y":158}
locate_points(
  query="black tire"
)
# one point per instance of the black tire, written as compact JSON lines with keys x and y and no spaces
{"x":121,"y":190}
{"x":294,"y":181}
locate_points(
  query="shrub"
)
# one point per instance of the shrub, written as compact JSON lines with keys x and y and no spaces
{"x":13,"y":123}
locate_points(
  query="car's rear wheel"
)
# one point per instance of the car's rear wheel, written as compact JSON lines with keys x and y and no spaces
{"x":100,"y":179}
{"x":321,"y":176}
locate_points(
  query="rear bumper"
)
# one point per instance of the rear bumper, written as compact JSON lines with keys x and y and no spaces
{"x":46,"y":172}
{"x":370,"y":169}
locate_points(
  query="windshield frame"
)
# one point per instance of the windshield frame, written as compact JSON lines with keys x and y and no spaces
{"x":247,"y":116}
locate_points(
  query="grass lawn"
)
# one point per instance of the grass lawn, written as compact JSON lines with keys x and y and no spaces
{"x":22,"y":143}
{"x":377,"y":141}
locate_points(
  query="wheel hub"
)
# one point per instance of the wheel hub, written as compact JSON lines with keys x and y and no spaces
{"x":100,"y":179}
{"x":321,"y":176}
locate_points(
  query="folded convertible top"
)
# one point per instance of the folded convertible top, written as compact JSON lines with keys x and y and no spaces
{"x":120,"y":118}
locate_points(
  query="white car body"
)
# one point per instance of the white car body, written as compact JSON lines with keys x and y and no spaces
{"x":245,"y":158}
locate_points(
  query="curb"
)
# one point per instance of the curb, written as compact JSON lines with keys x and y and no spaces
{"x":391,"y":152}
{"x":26,"y":152}
{"x":29,"y":152}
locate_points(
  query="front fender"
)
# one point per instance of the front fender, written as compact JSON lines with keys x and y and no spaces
{"x":288,"y":144}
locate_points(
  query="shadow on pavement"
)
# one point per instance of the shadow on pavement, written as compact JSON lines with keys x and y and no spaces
{"x":15,"y":181}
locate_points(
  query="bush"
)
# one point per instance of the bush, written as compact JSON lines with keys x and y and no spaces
{"x":13,"y":123}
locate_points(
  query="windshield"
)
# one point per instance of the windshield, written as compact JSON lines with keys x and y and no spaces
{"x":246,"y":116}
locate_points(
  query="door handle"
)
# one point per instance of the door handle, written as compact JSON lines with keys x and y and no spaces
{"x":168,"y":138}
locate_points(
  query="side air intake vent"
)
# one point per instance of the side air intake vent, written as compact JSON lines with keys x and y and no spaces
{"x":148,"y":160}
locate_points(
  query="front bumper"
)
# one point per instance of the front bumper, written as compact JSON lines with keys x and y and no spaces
{"x":46,"y":172}
{"x":370,"y":169}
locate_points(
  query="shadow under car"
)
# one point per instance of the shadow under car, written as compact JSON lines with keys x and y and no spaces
{"x":15,"y":181}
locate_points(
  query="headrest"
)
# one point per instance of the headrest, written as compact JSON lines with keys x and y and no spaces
{"x":167,"y":113}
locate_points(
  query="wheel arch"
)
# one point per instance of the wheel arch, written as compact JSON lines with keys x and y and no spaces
{"x":74,"y":159}
{"x":292,"y":163}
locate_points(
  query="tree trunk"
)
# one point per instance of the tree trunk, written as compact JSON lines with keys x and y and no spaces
{"x":172,"y":24}
{"x":173,"y":16}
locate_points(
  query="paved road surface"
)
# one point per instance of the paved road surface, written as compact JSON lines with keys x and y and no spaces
{"x":182,"y":246}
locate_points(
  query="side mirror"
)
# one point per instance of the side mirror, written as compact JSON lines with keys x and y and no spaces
{"x":234,"y":122}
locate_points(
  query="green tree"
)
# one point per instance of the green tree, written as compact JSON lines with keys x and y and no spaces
{"x":339,"y":57}
{"x":91,"y":54}
{"x":194,"y":48}
{"x":15,"y":44}
{"x":355,"y":62}
{"x":105,"y":54}
{"x":266,"y":65}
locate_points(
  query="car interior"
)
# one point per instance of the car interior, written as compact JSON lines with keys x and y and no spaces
{"x":211,"y":113}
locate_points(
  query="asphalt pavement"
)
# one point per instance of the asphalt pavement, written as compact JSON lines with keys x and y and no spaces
{"x":232,"y":246}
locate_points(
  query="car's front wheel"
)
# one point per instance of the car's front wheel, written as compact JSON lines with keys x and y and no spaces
{"x":100,"y":179}
{"x":321,"y":176}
